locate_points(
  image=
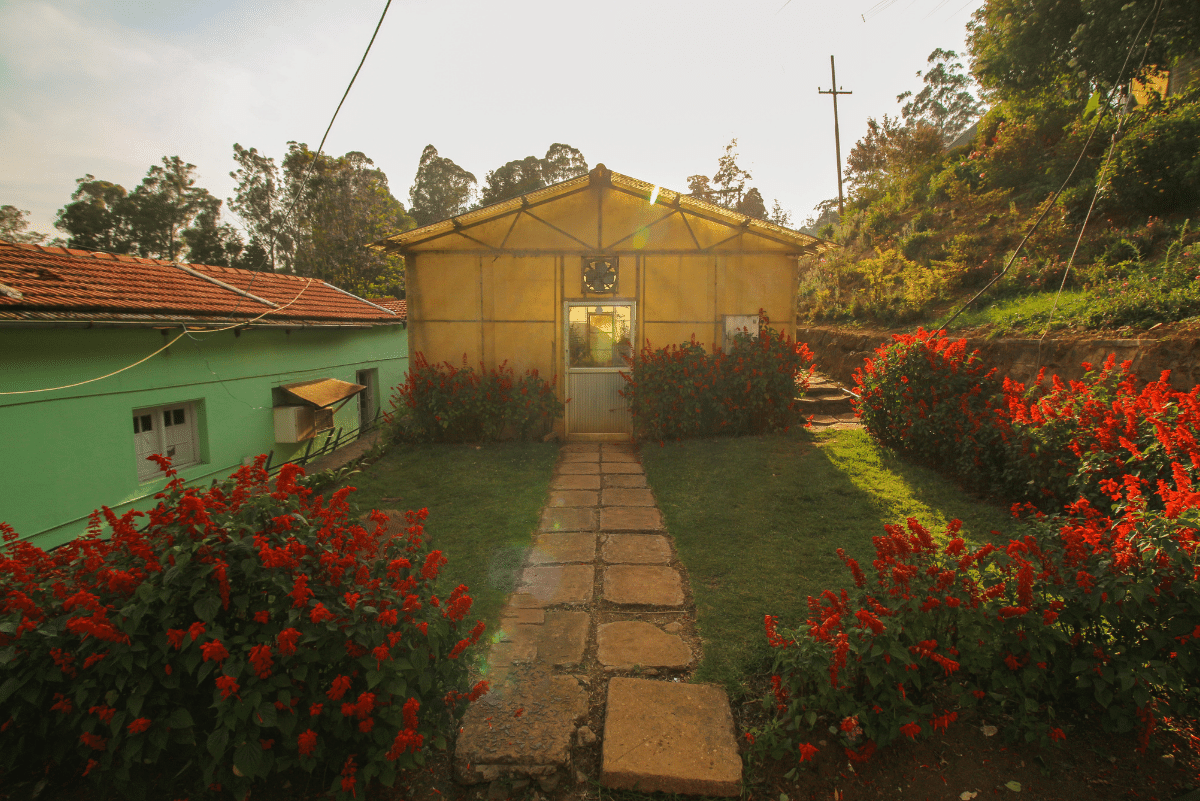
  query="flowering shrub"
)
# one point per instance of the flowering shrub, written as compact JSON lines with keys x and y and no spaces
{"x":441,"y":402}
{"x":1072,"y":439}
{"x":925,"y":396}
{"x":1086,"y":612}
{"x":683,"y":391}
{"x":253,"y":627}
{"x":1094,"y":610}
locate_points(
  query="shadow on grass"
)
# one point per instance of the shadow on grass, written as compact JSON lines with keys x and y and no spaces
{"x":757,"y":522}
{"x":483,"y":504}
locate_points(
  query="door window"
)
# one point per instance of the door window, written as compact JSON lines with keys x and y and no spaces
{"x":601,"y":336}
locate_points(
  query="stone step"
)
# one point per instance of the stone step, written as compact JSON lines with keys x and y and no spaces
{"x":662,"y":736}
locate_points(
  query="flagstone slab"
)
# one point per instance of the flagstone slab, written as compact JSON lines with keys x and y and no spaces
{"x":669,"y":737}
{"x":630,"y":518}
{"x":646,"y":549}
{"x":523,"y":727}
{"x":568,"y":518}
{"x":624,"y":480}
{"x":576,"y":482}
{"x":524,"y":615}
{"x":574,"y":498}
{"x":624,"y":496}
{"x":578,"y":468}
{"x":565,"y":584}
{"x":580,"y":447}
{"x":563,"y":639}
{"x":620,"y":456}
{"x":557,"y":549}
{"x":580,"y":456}
{"x":628,"y":643}
{"x":619,"y":467}
{"x":643,"y":585}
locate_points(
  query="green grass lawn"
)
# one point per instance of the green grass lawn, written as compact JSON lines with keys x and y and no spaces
{"x":1026,"y":315}
{"x":483,"y":506}
{"x":757,"y":522}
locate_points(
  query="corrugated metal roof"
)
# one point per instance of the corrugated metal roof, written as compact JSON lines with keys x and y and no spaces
{"x":323,"y":392}
{"x":54,"y":283}
{"x":602,"y":176}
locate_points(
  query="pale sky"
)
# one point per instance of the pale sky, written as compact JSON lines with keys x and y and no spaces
{"x":651,"y":88}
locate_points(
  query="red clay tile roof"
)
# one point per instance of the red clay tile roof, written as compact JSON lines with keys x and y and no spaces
{"x":400,"y":306}
{"x":59,"y":284}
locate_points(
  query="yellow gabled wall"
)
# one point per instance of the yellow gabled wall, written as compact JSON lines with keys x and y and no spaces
{"x":507,"y":304}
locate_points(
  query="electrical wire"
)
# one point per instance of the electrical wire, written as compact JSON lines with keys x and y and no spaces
{"x":160,"y":350}
{"x":1050,"y":204}
{"x":1099,"y":183}
{"x":308,"y":167}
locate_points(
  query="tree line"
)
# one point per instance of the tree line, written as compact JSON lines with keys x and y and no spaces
{"x":313,"y":214}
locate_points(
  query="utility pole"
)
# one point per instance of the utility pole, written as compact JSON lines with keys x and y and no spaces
{"x":837,"y":137}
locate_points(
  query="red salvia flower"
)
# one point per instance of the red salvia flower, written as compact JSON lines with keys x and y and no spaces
{"x":307,"y":742}
{"x":138,"y":726}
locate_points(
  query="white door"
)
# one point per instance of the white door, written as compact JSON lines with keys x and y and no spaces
{"x":599,"y":346}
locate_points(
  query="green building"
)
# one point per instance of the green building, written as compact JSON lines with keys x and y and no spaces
{"x":106,"y":359}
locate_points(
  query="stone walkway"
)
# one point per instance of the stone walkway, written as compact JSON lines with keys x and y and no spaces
{"x":589,"y":671}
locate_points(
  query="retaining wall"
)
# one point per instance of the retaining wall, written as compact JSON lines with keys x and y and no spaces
{"x":840,"y":351}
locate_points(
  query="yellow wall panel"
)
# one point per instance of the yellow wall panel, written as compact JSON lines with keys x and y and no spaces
{"x":666,"y":334}
{"x":661,"y":301}
{"x":526,"y":346}
{"x":695,"y":281}
{"x":446,"y":287}
{"x":447,"y":342}
{"x":522,"y":287}
{"x":625,"y":214}
{"x":574,"y":214}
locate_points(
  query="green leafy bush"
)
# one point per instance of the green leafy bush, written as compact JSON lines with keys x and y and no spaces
{"x":683,"y":391}
{"x":1156,"y":165}
{"x":444,"y":403}
{"x":244,"y":631}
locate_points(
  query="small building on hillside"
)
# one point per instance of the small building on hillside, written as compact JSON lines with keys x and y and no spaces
{"x":571,"y":279}
{"x":253,"y":363}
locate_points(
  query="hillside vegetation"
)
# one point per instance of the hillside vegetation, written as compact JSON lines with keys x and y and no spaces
{"x":928,"y":225}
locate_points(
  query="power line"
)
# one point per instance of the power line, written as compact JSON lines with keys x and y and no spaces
{"x":1099,"y":116}
{"x":308,"y":167}
{"x":100,"y":378}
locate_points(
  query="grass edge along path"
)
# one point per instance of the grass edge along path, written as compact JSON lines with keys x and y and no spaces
{"x":484,"y":502}
{"x":757,"y":522}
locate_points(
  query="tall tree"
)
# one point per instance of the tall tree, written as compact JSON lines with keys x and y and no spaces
{"x":98,"y":217}
{"x":345,"y":205}
{"x":727,"y":185}
{"x":14,"y":227}
{"x":562,"y":163}
{"x":730,"y":179}
{"x":945,"y":102}
{"x":1047,"y":48}
{"x":263,"y":205}
{"x":752,"y":204}
{"x":512,"y":180}
{"x":441,"y":188}
{"x":780,"y":216}
{"x":889,"y":150}
{"x":210,"y":241}
{"x":700,"y":188}
{"x":164,"y":205}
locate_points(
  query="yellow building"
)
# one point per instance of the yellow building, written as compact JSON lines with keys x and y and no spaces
{"x":573,"y":278}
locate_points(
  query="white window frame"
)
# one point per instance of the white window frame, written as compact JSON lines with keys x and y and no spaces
{"x":154,"y":439}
